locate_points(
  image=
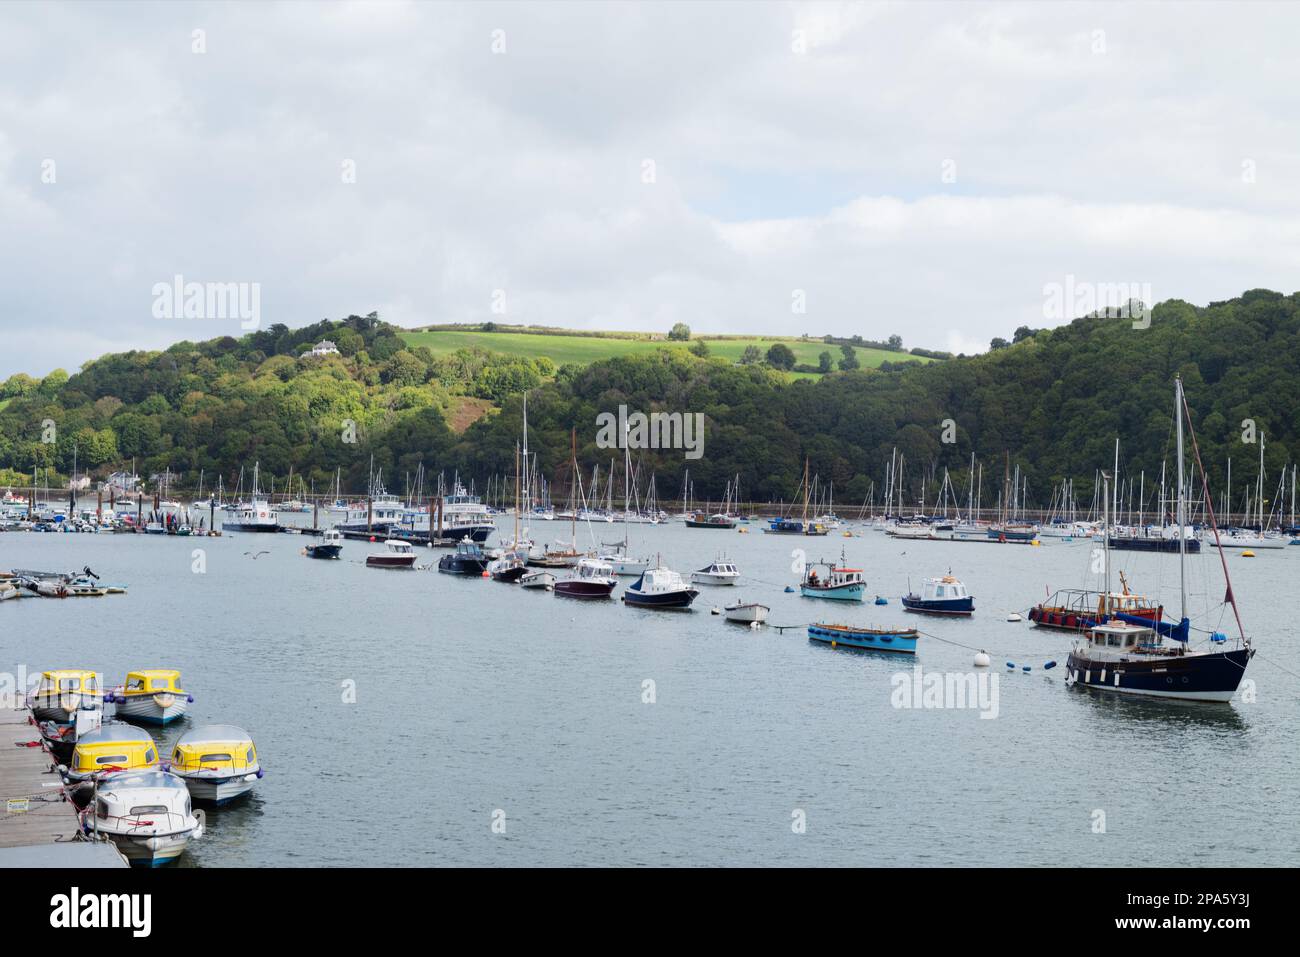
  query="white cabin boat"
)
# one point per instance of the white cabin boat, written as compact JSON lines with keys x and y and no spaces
{"x":720,"y":572}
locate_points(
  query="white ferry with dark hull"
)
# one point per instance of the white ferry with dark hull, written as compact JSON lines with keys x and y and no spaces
{"x":1128,"y":655}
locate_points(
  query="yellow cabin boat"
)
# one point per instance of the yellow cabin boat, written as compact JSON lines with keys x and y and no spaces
{"x":114,"y":747}
{"x":155,"y":696}
{"x":218,"y":762}
{"x":64,"y":692}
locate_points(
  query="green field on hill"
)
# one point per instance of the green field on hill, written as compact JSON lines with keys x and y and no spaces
{"x":563,"y":349}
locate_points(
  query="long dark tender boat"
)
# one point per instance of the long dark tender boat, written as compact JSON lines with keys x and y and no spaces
{"x":1153,"y":543}
{"x":1130,"y":657}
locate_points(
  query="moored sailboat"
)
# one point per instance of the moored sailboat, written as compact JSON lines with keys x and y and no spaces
{"x":1121,"y":655}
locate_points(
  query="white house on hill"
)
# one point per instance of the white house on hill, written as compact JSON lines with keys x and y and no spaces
{"x":324,"y":348}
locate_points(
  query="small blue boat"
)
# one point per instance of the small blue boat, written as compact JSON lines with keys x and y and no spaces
{"x":901,"y":640}
{"x":941,"y":596}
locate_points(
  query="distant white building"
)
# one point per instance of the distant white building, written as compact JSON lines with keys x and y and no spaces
{"x":324,"y":348}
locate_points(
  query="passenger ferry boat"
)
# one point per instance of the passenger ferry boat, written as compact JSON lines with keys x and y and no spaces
{"x":154,"y":696}
{"x":256,"y":516}
{"x":1129,"y":656}
{"x":941,"y":596}
{"x":899,"y":640}
{"x":463,"y":516}
{"x":835,"y":581}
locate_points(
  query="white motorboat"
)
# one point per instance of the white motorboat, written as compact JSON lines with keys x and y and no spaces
{"x":538,"y":579}
{"x":746,"y":612}
{"x":147,"y":814}
{"x":62,"y":693}
{"x":396,"y":554}
{"x":720,"y":572}
{"x":218,"y":763}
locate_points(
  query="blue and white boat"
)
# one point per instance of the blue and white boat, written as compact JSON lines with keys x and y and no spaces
{"x":941,"y":596}
{"x":833,"y":581}
{"x":660,"y":587}
{"x":900,"y":640}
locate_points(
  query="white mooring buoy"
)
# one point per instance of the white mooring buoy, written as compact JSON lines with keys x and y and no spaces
{"x":1014,"y":617}
{"x":982,"y":660}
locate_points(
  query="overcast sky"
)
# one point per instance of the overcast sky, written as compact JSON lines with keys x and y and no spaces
{"x":915,"y":169}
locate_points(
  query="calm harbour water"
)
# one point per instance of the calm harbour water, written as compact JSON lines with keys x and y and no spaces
{"x":474,"y":697}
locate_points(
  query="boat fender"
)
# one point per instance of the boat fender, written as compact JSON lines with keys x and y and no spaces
{"x":1025,"y":669}
{"x":1047,"y":666}
{"x":1011,"y":665}
{"x":789,"y":589}
{"x":753,"y":626}
{"x":260,"y":773}
{"x":108,"y":698}
{"x":189,"y":698}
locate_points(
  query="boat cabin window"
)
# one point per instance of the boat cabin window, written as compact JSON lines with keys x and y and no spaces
{"x":248,"y":758}
{"x":101,"y":808}
{"x":149,"y":809}
{"x":149,"y":756}
{"x":940,"y":591}
{"x":69,"y":684}
{"x":135,"y":684}
{"x":111,"y":759}
{"x":214,"y":757}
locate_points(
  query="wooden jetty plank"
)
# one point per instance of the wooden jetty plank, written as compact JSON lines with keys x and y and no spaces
{"x":32,"y":809}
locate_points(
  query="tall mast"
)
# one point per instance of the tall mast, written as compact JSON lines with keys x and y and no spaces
{"x":516,"y":495}
{"x":1182,"y":541}
{"x":1105,"y":542}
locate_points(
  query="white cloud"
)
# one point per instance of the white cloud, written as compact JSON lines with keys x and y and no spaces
{"x":775,"y":170}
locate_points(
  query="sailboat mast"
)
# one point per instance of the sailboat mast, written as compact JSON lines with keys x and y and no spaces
{"x":1182,"y":541}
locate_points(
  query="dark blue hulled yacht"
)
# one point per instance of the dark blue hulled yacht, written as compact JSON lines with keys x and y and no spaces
{"x":1128,"y":654}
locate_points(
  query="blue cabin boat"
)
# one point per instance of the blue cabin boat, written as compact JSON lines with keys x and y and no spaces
{"x":900,"y":640}
{"x":941,"y":596}
{"x":833,"y":581}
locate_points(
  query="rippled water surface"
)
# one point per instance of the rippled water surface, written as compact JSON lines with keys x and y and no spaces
{"x":477,"y":701}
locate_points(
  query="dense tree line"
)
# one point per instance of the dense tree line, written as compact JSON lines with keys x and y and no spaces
{"x":1053,"y":400}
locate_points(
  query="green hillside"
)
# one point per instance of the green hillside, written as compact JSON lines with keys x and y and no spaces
{"x":585,"y":349}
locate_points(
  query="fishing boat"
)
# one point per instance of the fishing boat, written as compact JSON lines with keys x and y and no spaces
{"x":591,"y":579}
{"x":146,"y":814}
{"x":1015,"y":532}
{"x":538,"y":580}
{"x":1078,"y":609}
{"x":256,"y":516}
{"x":330,"y":546}
{"x":218,"y":763}
{"x":60,"y":694}
{"x":154,"y":696}
{"x":941,"y":596}
{"x":900,"y":640}
{"x":467,"y":559}
{"x":660,"y":587}
{"x":718,"y":572}
{"x":396,"y":554}
{"x":746,"y":612}
{"x":834,"y":581}
{"x":1130,"y":657}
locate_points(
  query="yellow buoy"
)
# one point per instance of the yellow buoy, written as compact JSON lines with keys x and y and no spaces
{"x":1248,"y":554}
